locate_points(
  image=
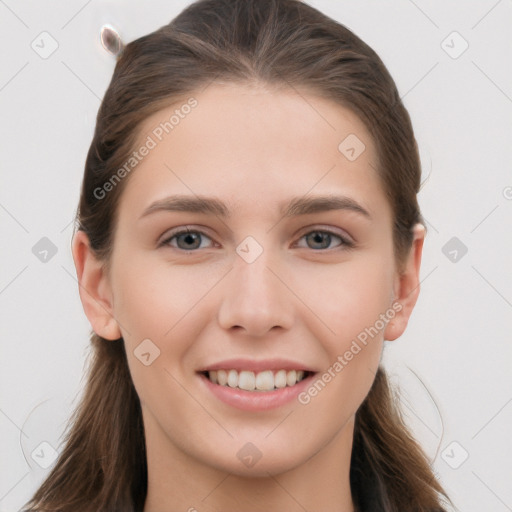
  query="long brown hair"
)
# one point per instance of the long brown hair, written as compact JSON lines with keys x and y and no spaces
{"x":103,"y":464}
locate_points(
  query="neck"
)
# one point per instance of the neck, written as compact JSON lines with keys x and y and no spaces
{"x":178,"y":482}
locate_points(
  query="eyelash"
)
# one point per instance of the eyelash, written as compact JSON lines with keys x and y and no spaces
{"x":345,"y":242}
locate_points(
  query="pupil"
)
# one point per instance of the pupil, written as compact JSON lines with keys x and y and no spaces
{"x":318,"y":237}
{"x":189,"y":238}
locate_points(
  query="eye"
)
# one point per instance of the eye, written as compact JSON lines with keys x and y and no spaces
{"x":322,"y":239}
{"x":189,"y":240}
{"x":186,"y":240}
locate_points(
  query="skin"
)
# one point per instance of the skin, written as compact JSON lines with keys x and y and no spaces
{"x":253,"y":147}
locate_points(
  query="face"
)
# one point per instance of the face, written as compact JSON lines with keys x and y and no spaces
{"x":264,"y":283}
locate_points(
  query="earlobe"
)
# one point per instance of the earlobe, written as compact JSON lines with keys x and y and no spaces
{"x":407,"y":287}
{"x":94,"y":288}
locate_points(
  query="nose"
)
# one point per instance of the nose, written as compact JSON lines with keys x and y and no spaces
{"x":256,"y":297}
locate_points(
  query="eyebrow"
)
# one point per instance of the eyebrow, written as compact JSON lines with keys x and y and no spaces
{"x":295,"y":207}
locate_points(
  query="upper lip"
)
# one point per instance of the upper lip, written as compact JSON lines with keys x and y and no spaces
{"x":257,"y":365}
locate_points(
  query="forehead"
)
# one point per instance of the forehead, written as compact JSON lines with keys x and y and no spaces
{"x":254,"y":145}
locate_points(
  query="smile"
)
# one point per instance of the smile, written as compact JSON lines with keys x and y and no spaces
{"x":262,"y":390}
{"x":266,"y":380}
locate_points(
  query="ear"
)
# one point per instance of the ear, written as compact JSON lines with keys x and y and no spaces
{"x":406,"y":287}
{"x":94,"y":288}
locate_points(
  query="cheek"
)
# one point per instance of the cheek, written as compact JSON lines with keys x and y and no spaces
{"x":350,"y":298}
{"x":162,"y":303}
{"x":352,"y":305}
{"x":151,"y":295}
{"x":156,"y":302}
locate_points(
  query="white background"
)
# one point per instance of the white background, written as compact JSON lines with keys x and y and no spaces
{"x":453,"y":363}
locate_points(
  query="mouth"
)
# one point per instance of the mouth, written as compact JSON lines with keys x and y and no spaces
{"x":256,"y":385}
{"x":262,"y":381}
{"x":258,"y":388}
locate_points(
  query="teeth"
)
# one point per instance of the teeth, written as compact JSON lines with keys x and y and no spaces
{"x":222,"y":377}
{"x":280,"y":379}
{"x":291,"y":378}
{"x":262,"y":381}
{"x":246,"y":380}
{"x":233,"y":378}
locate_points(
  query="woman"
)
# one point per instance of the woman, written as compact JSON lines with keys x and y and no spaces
{"x":248,"y":236}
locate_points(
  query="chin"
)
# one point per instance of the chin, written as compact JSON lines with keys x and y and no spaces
{"x":264,"y":467}
{"x":259,"y":458}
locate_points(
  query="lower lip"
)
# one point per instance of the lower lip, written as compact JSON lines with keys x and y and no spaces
{"x":256,"y":400}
